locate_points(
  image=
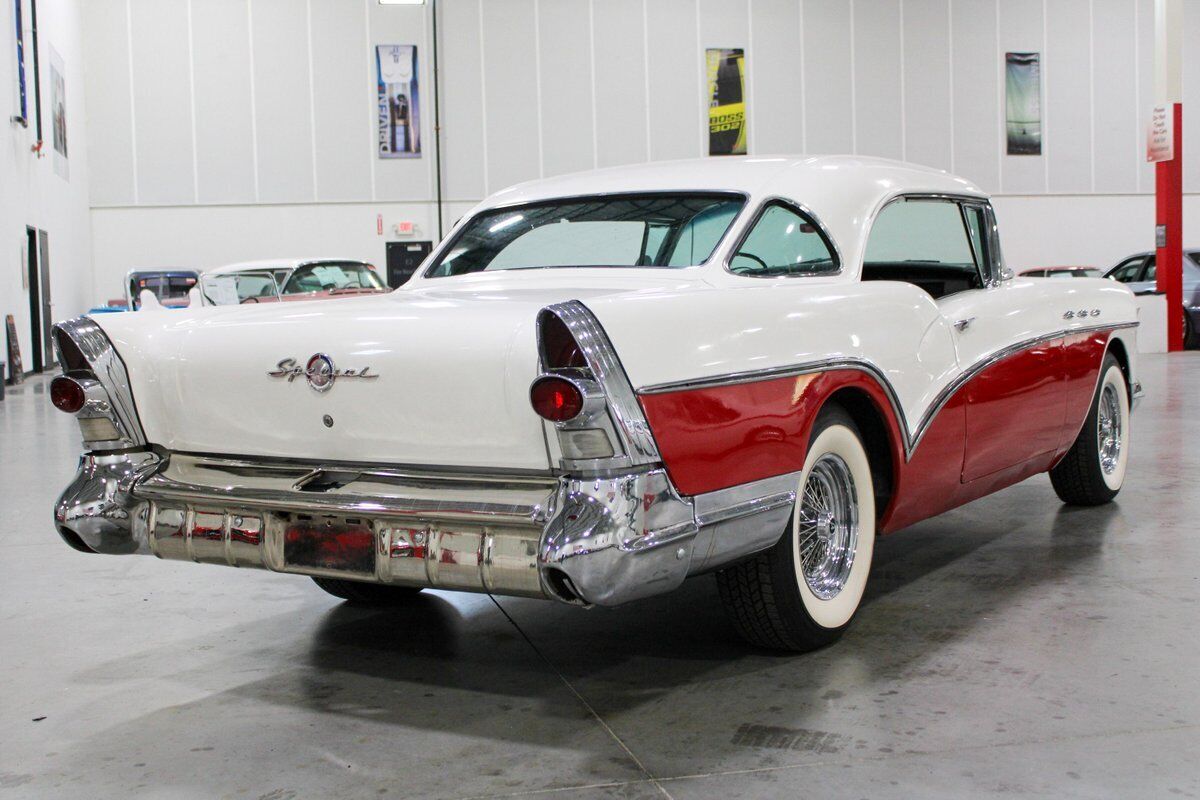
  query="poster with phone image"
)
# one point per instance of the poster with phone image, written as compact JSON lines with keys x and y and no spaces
{"x":399,"y":101}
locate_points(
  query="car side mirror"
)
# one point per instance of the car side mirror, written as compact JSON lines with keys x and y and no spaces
{"x":1006,"y":274}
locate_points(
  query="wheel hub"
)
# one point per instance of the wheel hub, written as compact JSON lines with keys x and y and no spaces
{"x":1108,"y":429}
{"x":827,"y":526}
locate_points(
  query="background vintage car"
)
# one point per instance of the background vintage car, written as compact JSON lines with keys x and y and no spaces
{"x":716,"y":352}
{"x":289,"y":280}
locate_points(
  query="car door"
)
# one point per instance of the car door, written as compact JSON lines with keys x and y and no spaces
{"x":1010,"y":370}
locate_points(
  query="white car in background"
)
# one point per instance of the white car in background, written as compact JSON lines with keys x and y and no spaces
{"x":275,"y":280}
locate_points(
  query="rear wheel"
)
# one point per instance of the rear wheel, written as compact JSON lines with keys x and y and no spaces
{"x":361,"y":593}
{"x":1093,"y":470}
{"x":802,"y":593}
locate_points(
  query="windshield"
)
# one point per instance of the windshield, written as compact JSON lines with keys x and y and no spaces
{"x":660,"y":230}
{"x":238,"y":287}
{"x":332,"y":276}
{"x":167,"y":287}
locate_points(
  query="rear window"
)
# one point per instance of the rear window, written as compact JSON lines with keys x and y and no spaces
{"x":660,"y":230}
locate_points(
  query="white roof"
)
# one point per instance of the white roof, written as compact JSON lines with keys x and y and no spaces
{"x":273,"y":264}
{"x":843,"y":192}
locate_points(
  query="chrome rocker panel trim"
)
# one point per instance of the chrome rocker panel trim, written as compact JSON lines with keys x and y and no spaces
{"x":584,"y":541}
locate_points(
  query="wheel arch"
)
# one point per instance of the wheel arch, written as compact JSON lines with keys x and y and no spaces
{"x":884,"y":451}
{"x":1116,"y":346}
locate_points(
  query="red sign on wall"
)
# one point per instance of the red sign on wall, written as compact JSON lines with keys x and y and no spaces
{"x":1160,"y":136}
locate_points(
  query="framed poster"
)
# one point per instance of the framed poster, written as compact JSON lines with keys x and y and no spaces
{"x":399,"y":101}
{"x":726,"y":71}
{"x":1023,"y":103}
{"x":22,"y":101}
{"x":58,"y":110}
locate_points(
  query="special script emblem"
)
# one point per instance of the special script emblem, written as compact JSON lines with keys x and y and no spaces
{"x":320,"y":372}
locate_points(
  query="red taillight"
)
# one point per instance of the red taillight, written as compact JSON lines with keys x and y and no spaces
{"x":555,"y":399}
{"x":67,"y":395}
{"x":560,"y":350}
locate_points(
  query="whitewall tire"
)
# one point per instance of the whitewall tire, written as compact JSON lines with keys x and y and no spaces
{"x":1093,"y":470}
{"x":803,"y":592}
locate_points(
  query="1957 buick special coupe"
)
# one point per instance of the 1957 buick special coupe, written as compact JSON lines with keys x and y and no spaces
{"x":602,"y":384}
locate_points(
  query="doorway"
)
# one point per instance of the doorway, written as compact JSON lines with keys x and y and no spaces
{"x":403,"y":259}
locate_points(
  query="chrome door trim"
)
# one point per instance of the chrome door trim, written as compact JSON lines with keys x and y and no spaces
{"x":911,"y":437}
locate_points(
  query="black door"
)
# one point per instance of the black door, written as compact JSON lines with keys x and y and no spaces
{"x":403,"y":258}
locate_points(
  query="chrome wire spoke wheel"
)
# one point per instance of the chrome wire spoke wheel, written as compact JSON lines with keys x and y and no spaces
{"x":827,"y":533}
{"x":1108,"y":429}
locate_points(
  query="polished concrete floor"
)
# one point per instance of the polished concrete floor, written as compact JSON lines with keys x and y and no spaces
{"x":1013,"y":647}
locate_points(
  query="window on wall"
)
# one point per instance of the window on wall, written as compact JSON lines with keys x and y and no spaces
{"x":783,"y":242}
{"x":926,"y":243}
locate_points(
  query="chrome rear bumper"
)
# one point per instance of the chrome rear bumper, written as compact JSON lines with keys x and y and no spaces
{"x":597,"y":541}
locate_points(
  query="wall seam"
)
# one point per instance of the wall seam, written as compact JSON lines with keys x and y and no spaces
{"x":703,"y":76}
{"x":950,"y":74}
{"x":1002,"y":126}
{"x":903,"y":93}
{"x":803,"y":83}
{"x":483,"y":101}
{"x":748,"y":61}
{"x":132,"y":101}
{"x":645,"y":74}
{"x":312,"y":98}
{"x":537,"y":80}
{"x":853,"y":86}
{"x":592,"y":58}
{"x":1092,"y":88}
{"x":192,"y":105}
{"x":1044,"y":105}
{"x":253,"y":99}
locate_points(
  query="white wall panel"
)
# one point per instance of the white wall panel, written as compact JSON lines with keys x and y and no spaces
{"x":828,"y":90}
{"x":162,"y":101}
{"x":678,"y":115}
{"x":403,"y":178}
{"x":109,"y":101}
{"x":568,"y":129}
{"x":341,"y":60}
{"x":1191,"y":103}
{"x":1145,"y":83}
{"x":464,"y":169}
{"x":620,"y":81}
{"x":878,"y":65}
{"x":927,"y":123}
{"x":1119,"y":144}
{"x":510,"y":89}
{"x":1021,"y":30}
{"x":221,"y":70}
{"x":978,"y":108}
{"x":776,"y":109}
{"x":1068,"y":95}
{"x":282,"y":101}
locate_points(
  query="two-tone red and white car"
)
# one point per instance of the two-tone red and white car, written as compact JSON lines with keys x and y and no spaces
{"x":604,"y":383}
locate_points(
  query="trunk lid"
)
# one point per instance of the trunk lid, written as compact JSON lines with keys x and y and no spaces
{"x":436,"y":376}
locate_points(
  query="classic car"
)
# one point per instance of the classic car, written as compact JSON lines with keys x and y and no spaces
{"x":604,"y":383}
{"x":1061,"y":272}
{"x":287,"y":280}
{"x":1140,"y":273}
{"x":169,"y":285}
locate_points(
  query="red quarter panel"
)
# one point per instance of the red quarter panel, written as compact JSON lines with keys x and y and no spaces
{"x":1083,"y":354}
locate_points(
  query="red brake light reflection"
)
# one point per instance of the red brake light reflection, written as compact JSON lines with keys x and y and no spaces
{"x":555,"y":399}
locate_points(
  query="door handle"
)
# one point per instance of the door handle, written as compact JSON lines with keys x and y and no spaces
{"x":963,"y":324}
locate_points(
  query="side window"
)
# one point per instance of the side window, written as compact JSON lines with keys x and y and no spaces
{"x":925,"y":243}
{"x":1151,"y":273}
{"x":1128,"y":271}
{"x":981,"y":243}
{"x":700,"y":235}
{"x":783,"y":242}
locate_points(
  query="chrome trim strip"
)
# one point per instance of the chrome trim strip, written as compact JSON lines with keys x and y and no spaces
{"x":109,"y":369}
{"x":636,"y":439}
{"x":867,"y":366}
{"x":803,"y":211}
{"x":746,"y":508}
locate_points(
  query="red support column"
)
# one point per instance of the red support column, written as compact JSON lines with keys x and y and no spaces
{"x":1168,"y":196}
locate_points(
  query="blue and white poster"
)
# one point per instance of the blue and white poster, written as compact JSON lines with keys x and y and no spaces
{"x":22,"y":102}
{"x":399,"y":101}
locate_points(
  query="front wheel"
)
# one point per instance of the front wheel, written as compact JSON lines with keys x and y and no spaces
{"x":1092,"y":471}
{"x":802,"y":593}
